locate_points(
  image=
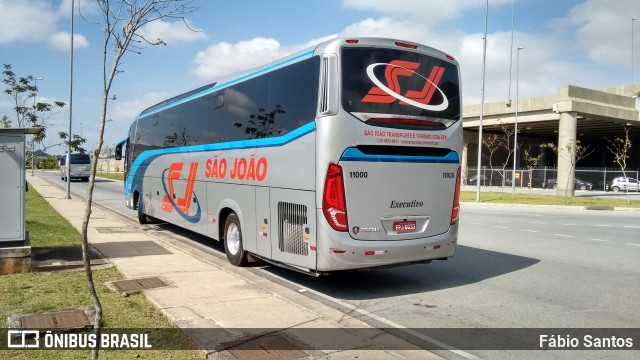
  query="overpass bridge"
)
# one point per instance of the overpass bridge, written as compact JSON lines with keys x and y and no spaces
{"x":573,"y":114}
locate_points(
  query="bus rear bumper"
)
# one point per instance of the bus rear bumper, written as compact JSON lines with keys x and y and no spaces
{"x":344,"y":253}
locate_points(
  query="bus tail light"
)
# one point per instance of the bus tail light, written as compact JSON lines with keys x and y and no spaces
{"x":456,"y":200}
{"x":409,"y":46}
{"x":333,"y":202}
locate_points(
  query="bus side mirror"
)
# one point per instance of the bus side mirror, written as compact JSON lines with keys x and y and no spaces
{"x":118,"y":152}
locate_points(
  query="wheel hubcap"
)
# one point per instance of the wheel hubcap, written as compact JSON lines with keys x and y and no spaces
{"x":233,"y":239}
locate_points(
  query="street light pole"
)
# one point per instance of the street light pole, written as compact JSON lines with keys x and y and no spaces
{"x":515,"y":132}
{"x":33,"y":143}
{"x":632,"y":21}
{"x":513,"y":25}
{"x":484,"y":63}
{"x":68,"y":162}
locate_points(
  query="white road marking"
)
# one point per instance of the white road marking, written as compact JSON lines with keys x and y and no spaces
{"x":604,"y":225}
{"x":381,"y":319}
{"x":633,"y":244}
{"x":537,"y":222}
{"x":562,"y":235}
{"x":531,"y":231}
{"x":600,"y":240}
{"x":569,"y":224}
{"x":632,"y":227}
{"x":504,"y":221}
{"x":500,"y":227}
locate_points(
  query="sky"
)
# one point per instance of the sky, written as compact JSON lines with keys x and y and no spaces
{"x":586,"y":43}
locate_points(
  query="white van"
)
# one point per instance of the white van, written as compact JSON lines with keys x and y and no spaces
{"x":80,"y":167}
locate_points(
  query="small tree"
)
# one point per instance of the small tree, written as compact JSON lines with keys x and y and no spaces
{"x":75,"y":144}
{"x":581,"y":152}
{"x":120,"y":22}
{"x":620,"y":147}
{"x":532,"y":162}
{"x":507,"y":133}
{"x":28,"y":111}
{"x":108,"y":154}
{"x":493,"y":142}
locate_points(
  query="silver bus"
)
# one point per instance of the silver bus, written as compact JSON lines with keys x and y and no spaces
{"x":79,"y":168}
{"x":342,"y":156}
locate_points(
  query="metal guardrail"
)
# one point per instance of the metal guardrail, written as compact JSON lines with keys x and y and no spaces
{"x":600,"y":179}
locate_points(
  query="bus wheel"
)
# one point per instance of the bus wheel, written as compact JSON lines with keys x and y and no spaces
{"x":233,"y":241}
{"x":142,"y":218}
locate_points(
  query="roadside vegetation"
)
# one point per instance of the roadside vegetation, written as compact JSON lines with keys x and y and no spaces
{"x":54,"y":291}
{"x":112,"y":176}
{"x":531,"y":199}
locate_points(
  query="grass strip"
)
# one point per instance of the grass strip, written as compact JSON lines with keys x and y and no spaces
{"x":46,"y":227}
{"x":43,"y":292}
{"x":531,"y":199}
{"x":112,"y":176}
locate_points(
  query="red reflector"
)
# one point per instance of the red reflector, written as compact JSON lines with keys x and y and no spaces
{"x":333,"y":202}
{"x":407,"y":121}
{"x":436,"y":246}
{"x":352,"y":41}
{"x":370,"y":252}
{"x":450,"y":57}
{"x":336,"y":251}
{"x":455,"y":212}
{"x":406,"y":45}
{"x":313,"y":248}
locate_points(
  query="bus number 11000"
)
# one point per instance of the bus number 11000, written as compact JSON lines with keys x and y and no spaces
{"x":358,"y":174}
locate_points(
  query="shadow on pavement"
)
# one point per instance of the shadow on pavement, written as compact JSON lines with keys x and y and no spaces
{"x":63,"y":257}
{"x":468,"y":266}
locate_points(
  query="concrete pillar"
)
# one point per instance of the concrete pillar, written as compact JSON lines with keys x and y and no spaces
{"x":567,"y":131}
{"x":463,"y":163}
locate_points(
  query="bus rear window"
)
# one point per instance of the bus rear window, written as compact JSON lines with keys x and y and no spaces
{"x":400,"y":89}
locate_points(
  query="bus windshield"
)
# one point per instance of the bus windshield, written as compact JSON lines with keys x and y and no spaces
{"x":400,"y":89}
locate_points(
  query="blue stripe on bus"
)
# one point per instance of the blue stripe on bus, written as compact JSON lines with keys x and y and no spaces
{"x":230,"y":82}
{"x":146,"y":157}
{"x":353,"y":154}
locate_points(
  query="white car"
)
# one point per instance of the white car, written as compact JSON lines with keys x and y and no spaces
{"x":620,"y":183}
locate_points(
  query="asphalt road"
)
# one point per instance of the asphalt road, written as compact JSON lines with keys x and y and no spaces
{"x":513,"y":268}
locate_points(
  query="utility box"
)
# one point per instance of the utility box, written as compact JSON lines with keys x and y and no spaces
{"x":15,"y":250}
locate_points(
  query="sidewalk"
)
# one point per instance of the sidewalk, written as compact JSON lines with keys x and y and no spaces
{"x":206,"y":292}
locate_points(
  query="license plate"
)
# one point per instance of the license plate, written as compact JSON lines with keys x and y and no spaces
{"x":404,"y":226}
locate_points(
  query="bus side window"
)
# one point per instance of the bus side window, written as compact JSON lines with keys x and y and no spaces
{"x":218,"y":100}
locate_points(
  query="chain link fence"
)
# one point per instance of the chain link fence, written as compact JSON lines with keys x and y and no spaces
{"x":545,"y":178}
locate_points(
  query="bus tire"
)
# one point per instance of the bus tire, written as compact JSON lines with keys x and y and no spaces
{"x":233,"y":241}
{"x":142,"y":218}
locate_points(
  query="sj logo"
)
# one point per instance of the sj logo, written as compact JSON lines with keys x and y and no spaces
{"x":182,"y":205}
{"x":386,"y":94}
